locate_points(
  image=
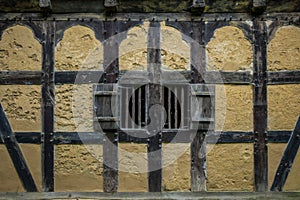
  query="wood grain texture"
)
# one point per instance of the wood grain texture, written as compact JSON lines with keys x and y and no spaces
{"x":260,"y":107}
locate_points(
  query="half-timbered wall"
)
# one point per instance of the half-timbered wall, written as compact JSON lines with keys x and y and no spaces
{"x":257,"y":100}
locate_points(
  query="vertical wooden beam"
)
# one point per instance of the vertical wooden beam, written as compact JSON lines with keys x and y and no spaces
{"x":15,"y":153}
{"x":198,"y":146}
{"x":154,"y":96}
{"x":287,"y":159}
{"x":48,"y":101}
{"x":111,"y":71}
{"x":260,"y":107}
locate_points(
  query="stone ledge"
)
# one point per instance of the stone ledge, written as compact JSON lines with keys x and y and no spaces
{"x":149,"y":195}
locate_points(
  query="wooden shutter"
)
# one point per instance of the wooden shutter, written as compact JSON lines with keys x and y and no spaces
{"x":202,"y":106}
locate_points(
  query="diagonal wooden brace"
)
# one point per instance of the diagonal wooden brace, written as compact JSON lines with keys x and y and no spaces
{"x":287,"y":159}
{"x":8,"y":138}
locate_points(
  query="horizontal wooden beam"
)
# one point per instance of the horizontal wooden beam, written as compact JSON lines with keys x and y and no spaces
{"x":290,"y":17}
{"x":91,"y":77}
{"x":139,"y":137}
{"x":284,"y":77}
{"x":144,"y":6}
{"x":78,"y":77}
{"x":20,"y":77}
{"x":228,"y":77}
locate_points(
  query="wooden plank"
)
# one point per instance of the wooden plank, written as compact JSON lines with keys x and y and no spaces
{"x":287,"y":159}
{"x":154,"y":97}
{"x":48,"y":102}
{"x":260,"y":107}
{"x":15,"y":153}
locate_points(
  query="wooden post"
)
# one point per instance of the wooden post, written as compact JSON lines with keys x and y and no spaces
{"x":260,"y":108}
{"x":198,"y":146}
{"x":154,"y":96}
{"x":48,"y":101}
{"x":111,"y":72}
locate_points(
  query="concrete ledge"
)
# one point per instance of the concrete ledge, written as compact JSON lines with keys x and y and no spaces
{"x":149,"y":195}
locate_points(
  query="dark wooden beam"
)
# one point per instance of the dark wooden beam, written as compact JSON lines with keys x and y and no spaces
{"x":198,"y":73}
{"x":284,"y":77}
{"x":91,"y":77}
{"x":260,"y":107}
{"x":48,"y":102}
{"x":20,"y":77}
{"x":134,"y":136}
{"x":110,"y":144}
{"x":225,"y":77}
{"x":279,"y":136}
{"x":15,"y":153}
{"x":78,"y":77}
{"x":143,"y":6}
{"x":284,"y":17}
{"x":287,"y":160}
{"x":155,"y":97}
